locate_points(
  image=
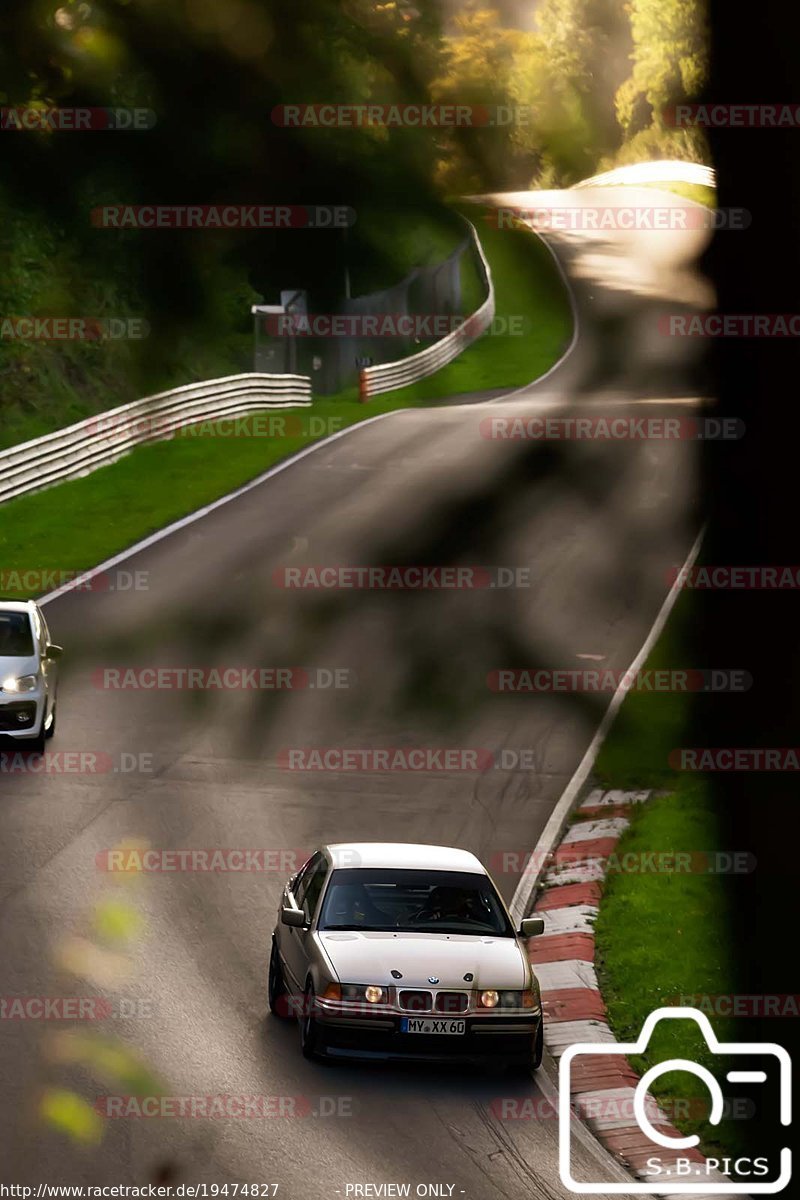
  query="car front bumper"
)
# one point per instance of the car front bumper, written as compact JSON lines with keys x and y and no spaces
{"x":486,"y":1038}
{"x":21,"y":714}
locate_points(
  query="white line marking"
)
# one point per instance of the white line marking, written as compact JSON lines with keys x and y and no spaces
{"x":526,"y":888}
{"x":160,"y":534}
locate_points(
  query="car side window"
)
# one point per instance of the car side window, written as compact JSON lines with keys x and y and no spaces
{"x":313,"y":890}
{"x":301,"y":879}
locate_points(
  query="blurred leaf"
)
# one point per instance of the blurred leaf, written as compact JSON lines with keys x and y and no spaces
{"x":70,"y":1114}
{"x":83,"y":958}
{"x":117,"y":922}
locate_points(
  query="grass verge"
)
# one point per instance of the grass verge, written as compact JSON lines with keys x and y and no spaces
{"x":664,"y":936}
{"x":75,"y":525}
{"x":690,"y":191}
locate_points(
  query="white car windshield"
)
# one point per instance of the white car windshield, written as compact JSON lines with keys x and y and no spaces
{"x":413,"y":902}
{"x":16,"y":636}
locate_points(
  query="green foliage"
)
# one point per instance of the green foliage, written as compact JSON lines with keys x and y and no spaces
{"x":666,"y":935}
{"x":585,"y":85}
{"x":480,"y":60}
{"x":213,"y":75}
{"x":670,"y":47}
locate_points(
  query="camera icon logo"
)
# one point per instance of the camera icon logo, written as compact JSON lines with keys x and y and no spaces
{"x":671,"y":1174}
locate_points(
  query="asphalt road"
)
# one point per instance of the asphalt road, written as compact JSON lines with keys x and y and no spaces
{"x":590,"y":528}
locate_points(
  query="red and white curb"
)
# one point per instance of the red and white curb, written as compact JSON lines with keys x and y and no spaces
{"x":602,"y":1087}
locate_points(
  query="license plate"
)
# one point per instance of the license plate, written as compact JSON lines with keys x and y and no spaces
{"x":436,"y":1025}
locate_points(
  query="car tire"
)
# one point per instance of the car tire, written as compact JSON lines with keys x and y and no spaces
{"x":36,"y":745}
{"x":276,"y":988}
{"x":538,"y":1048}
{"x":309,"y":1033}
{"x":48,"y":733}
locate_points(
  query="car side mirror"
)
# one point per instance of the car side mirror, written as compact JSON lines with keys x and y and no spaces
{"x":53,"y":652}
{"x":295,"y":918}
{"x":531,"y":927}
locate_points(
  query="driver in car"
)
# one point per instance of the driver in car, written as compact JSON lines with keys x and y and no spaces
{"x":448,"y":904}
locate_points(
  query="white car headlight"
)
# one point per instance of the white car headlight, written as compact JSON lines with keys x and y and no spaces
{"x":490,"y":999}
{"x":359,"y":991}
{"x":20,"y":683}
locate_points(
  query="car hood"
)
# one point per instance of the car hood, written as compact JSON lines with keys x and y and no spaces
{"x":17,"y":666}
{"x":368,"y":957}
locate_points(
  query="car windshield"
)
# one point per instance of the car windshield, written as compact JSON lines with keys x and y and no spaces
{"x":16,"y":637}
{"x":413,"y":902}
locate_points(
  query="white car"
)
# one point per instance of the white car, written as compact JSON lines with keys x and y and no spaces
{"x":28,"y":675}
{"x":394,"y":950}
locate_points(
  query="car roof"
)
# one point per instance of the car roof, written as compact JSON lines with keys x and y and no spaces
{"x":410,"y":855}
{"x":16,"y":605}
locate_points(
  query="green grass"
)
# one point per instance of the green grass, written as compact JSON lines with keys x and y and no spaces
{"x":650,"y":724}
{"x":78,"y":524}
{"x":663,"y":934}
{"x":690,"y":191}
{"x":75,"y":525}
{"x":529,"y":296}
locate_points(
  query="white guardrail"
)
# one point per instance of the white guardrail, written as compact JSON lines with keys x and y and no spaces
{"x":668,"y":171}
{"x":386,"y":376}
{"x":79,"y":449}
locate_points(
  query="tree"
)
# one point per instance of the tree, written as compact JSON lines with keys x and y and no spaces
{"x":670,"y":46}
{"x":480,"y":59}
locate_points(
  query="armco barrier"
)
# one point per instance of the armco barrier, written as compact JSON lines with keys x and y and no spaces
{"x":101,"y":439}
{"x":386,"y":376}
{"x":668,"y":171}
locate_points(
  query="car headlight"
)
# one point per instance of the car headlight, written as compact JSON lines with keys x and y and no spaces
{"x":369,"y":992}
{"x":509,"y":999}
{"x":20,"y":683}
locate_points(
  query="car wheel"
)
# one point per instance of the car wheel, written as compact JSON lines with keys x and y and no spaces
{"x":538,"y":1048}
{"x":36,"y":745}
{"x":309,"y":1034}
{"x":276,"y":987}
{"x":48,"y":733}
